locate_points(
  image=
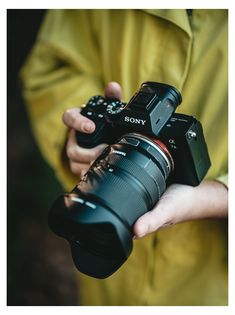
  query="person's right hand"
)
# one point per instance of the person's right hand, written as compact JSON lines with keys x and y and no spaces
{"x":80,"y":158}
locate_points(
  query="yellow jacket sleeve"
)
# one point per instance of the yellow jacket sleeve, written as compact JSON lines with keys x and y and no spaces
{"x":58,"y":76}
{"x":76,"y":53}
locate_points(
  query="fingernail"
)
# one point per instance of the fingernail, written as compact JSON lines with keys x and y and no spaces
{"x":87,"y":127}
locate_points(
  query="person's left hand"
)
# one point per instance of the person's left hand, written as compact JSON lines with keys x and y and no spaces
{"x":182,"y":203}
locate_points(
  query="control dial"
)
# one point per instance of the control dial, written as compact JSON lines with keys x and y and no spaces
{"x":115,"y":107}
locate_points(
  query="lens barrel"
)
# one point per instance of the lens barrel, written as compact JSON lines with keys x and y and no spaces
{"x":97,"y":217}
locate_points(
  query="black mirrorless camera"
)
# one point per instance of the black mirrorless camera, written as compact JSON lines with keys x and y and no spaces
{"x":153,"y":147}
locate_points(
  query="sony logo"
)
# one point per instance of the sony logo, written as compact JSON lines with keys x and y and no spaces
{"x":135,"y":120}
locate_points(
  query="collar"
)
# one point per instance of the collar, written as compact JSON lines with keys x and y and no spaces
{"x":178,"y":17}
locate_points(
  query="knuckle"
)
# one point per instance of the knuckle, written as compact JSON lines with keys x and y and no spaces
{"x":66,"y":116}
{"x":70,"y":117}
{"x":74,"y":167}
{"x":70,"y":152}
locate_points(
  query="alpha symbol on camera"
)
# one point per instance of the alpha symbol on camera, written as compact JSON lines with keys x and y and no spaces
{"x":172,"y":144}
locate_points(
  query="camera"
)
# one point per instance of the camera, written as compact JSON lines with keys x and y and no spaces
{"x":150,"y":147}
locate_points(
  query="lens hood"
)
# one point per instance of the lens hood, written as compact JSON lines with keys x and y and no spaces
{"x":100,"y":242}
{"x":92,"y":264}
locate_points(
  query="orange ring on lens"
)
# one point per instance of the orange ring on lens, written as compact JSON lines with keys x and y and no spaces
{"x":164,"y":149}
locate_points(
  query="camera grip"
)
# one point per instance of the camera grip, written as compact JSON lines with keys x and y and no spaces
{"x":100,"y":135}
{"x":94,"y":110}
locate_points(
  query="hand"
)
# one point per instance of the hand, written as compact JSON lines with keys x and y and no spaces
{"x":81,"y":158}
{"x":182,"y":203}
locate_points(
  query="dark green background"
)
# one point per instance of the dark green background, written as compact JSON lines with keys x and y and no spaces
{"x":39,"y":266}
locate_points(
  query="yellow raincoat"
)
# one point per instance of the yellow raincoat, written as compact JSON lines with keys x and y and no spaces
{"x":77,"y":52}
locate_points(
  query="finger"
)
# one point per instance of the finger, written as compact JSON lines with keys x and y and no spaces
{"x":146,"y":224}
{"x":79,"y":154}
{"x":113,"y":90}
{"x":152,"y":221}
{"x":78,"y":169}
{"x":83,"y":171}
{"x":73,"y":119}
{"x":169,"y":210}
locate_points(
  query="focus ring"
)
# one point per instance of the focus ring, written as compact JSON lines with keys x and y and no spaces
{"x":155,"y":186}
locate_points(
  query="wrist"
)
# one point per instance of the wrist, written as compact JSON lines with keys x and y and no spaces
{"x":211,"y":198}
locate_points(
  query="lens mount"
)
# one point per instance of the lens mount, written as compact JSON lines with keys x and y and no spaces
{"x":157,"y":145}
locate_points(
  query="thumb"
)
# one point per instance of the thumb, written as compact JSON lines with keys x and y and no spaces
{"x":175,"y":205}
{"x":149,"y":222}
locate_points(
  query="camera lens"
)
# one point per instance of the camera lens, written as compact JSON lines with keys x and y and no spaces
{"x":97,"y":217}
